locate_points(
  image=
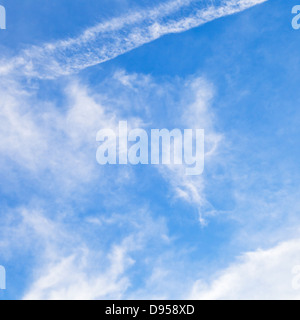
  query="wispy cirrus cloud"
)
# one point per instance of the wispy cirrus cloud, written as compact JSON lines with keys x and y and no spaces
{"x":53,"y":148}
{"x":68,"y":266}
{"x":108,"y":40}
{"x":58,"y":145}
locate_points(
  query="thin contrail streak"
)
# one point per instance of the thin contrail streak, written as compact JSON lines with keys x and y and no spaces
{"x":108,"y":40}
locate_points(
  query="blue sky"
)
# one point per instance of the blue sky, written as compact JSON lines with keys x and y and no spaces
{"x":71,"y":229}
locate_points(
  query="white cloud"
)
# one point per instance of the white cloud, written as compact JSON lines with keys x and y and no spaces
{"x":71,"y":268}
{"x":47,"y":141}
{"x":118,"y":36}
{"x":58,"y":143}
{"x":187,"y":104}
{"x":65,"y":263}
{"x":196,"y":102}
{"x":69,"y":272}
{"x":262,"y":274}
{"x":46,"y":138}
{"x":63,"y":268}
{"x":73,"y":278}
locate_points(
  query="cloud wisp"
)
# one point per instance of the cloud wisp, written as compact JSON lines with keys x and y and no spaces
{"x":262,"y":274}
{"x":108,"y":40}
{"x":52,"y":147}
